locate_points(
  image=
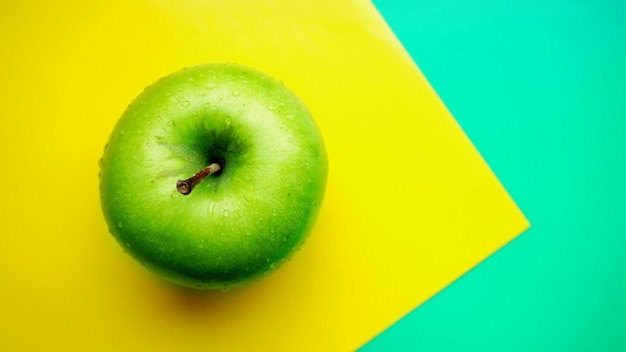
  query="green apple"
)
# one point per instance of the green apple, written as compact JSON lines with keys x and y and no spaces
{"x":213,"y":176}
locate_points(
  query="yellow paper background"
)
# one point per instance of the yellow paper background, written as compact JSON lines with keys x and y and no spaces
{"x":410,"y":205}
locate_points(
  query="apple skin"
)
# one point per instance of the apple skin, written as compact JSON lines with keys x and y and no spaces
{"x":235,"y":226}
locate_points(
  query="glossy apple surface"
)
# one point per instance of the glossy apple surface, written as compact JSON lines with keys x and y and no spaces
{"x":235,"y":225}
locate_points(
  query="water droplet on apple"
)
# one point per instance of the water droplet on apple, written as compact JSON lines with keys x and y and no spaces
{"x":120,"y":225}
{"x":285,"y":238}
{"x":270,"y":107}
{"x":274,"y":212}
{"x":206,"y":105}
{"x":211,"y":85}
{"x":225,"y":288}
{"x":236,"y":93}
{"x":289,"y":117}
{"x":128,"y":245}
{"x":185,"y":103}
{"x":272,"y":265}
{"x":267,"y":260}
{"x":228,"y":121}
{"x":226,"y":213}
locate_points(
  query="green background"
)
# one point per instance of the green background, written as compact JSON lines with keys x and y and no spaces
{"x":540,"y":88}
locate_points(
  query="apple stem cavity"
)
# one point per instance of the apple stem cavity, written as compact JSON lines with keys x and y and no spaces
{"x":185,"y":187}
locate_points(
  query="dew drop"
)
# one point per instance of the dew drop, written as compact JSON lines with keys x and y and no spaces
{"x":267,"y":260}
{"x":270,"y":107}
{"x":225,"y":288}
{"x":226,"y":213}
{"x":120,"y":225}
{"x":206,"y":105}
{"x":128,"y":245}
{"x":211,"y":85}
{"x":236,"y":93}
{"x":289,"y":117}
{"x":228,"y":121}
{"x":272,"y":265}
{"x":185,"y":103}
{"x":274,"y":212}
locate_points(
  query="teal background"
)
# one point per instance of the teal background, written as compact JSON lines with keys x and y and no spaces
{"x":540,"y":88}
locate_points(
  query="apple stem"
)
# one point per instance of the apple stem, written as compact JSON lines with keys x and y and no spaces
{"x":185,"y":187}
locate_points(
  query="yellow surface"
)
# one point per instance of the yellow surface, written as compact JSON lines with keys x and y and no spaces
{"x":410,"y":204}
